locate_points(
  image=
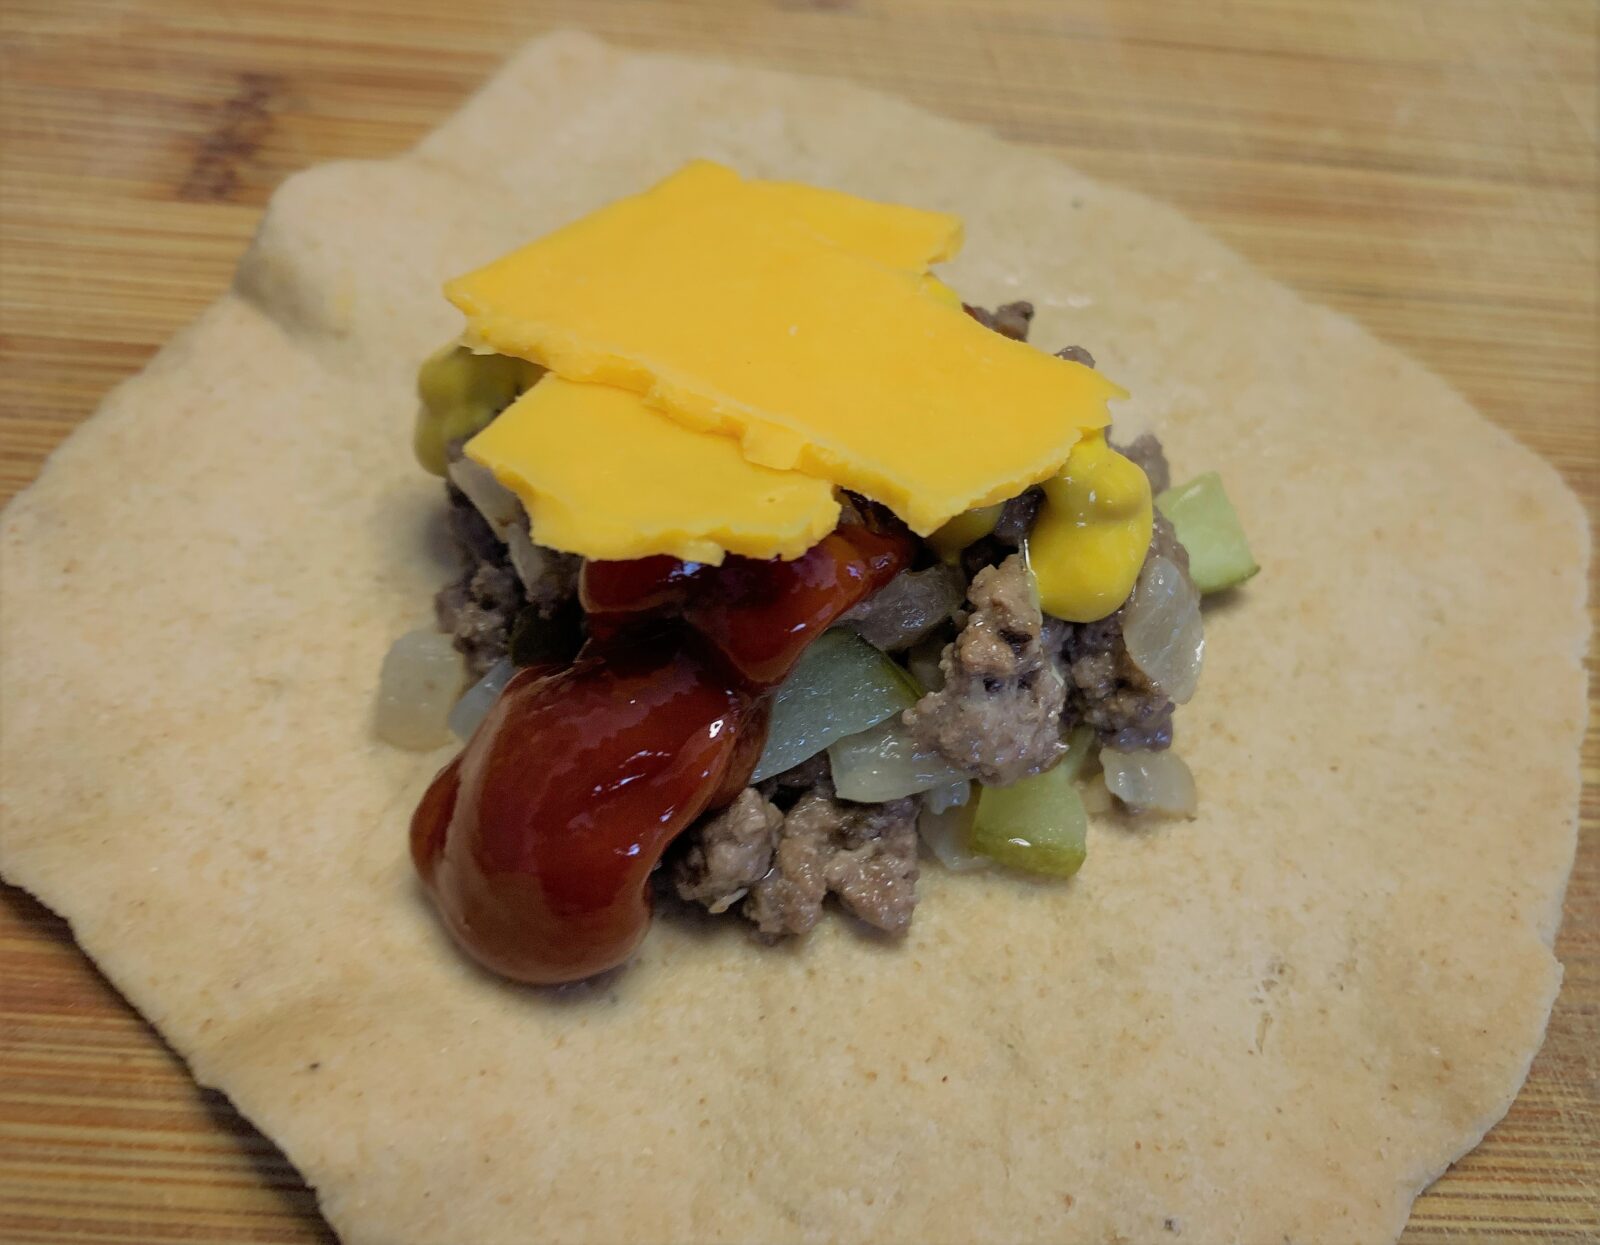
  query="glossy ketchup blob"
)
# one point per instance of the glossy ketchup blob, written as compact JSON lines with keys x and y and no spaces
{"x":537,"y":842}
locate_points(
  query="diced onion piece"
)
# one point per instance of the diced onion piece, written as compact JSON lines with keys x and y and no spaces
{"x":948,"y":836}
{"x":884,"y":764}
{"x":908,"y":608}
{"x":1096,"y":799}
{"x":531,"y":562}
{"x":498,"y":505}
{"x":1156,"y":782}
{"x":842,"y":685}
{"x":951,"y":795}
{"x":923,"y":661}
{"x":1162,"y":629}
{"x":1037,"y":825}
{"x":478,"y":699}
{"x":421,"y":678}
{"x":503,"y":511}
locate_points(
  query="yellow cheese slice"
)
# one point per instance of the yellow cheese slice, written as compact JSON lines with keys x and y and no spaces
{"x":603,"y":475}
{"x":899,"y":236}
{"x":751,"y":324}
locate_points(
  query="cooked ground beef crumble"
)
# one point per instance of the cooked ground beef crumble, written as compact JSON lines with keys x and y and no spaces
{"x":998,"y":716}
{"x":482,"y":607}
{"x":779,"y":866}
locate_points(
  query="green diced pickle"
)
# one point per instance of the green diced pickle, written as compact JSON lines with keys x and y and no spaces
{"x":1208,"y":528}
{"x":1037,"y":825}
{"x":461,"y":394}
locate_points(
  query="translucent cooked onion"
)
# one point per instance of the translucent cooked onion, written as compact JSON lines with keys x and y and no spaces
{"x":885,"y":763}
{"x":948,"y":836}
{"x":1162,"y":629}
{"x":503,"y":511}
{"x":1096,"y":798}
{"x":908,"y":608}
{"x":477,"y":700}
{"x":495,"y":502}
{"x":421,"y":678}
{"x":841,"y":685}
{"x":952,"y":795}
{"x":923,"y":662}
{"x":1156,"y":782}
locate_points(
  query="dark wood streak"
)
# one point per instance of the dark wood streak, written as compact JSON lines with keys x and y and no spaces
{"x":242,"y":125}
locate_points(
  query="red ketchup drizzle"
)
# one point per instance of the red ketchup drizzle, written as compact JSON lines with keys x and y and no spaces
{"x":538,"y":841}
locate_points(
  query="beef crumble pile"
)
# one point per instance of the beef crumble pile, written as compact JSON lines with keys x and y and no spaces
{"x":491,"y":596}
{"x":1015,"y":683}
{"x":998,"y":715}
{"x":779,"y":865}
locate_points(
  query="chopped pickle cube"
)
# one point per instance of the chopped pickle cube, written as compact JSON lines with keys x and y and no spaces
{"x":1037,"y":825}
{"x":840,"y":687}
{"x":461,"y":394}
{"x":1208,"y":527}
{"x":1158,"y":782}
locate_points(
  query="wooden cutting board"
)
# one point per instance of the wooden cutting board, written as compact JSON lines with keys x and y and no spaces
{"x":1428,"y":167}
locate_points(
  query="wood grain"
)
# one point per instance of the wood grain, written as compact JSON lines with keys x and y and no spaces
{"x":1428,"y":167}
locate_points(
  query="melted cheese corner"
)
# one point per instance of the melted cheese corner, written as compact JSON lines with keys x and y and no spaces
{"x":603,"y":475}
